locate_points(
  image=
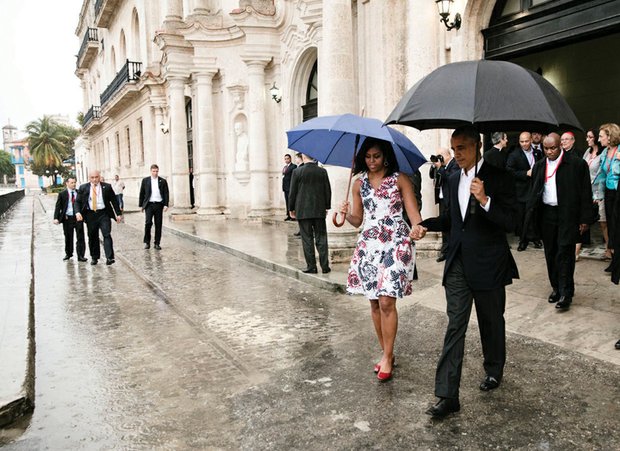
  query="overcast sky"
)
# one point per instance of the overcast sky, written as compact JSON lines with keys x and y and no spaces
{"x":37,"y":53}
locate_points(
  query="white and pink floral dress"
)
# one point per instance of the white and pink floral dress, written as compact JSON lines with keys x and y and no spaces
{"x":383,"y":261}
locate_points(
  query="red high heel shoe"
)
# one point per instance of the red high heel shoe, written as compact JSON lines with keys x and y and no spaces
{"x":377,"y":367}
{"x":384,"y":377}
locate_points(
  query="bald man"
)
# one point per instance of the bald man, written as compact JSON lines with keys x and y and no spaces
{"x":96,"y":204}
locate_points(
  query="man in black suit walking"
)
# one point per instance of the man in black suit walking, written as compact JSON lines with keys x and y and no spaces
{"x":560,"y":205}
{"x":153,"y":201}
{"x":96,"y":204}
{"x":64,"y":213}
{"x":520,"y":163}
{"x":443,"y":165}
{"x":310,"y":198}
{"x":287,"y":174}
{"x":478,"y":267}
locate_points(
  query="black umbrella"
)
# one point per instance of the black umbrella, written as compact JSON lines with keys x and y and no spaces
{"x":491,"y":95}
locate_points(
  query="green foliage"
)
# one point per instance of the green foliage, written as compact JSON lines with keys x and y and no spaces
{"x":50,"y":144}
{"x":6,"y":167}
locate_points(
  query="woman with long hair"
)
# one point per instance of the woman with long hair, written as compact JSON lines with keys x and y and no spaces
{"x":592,"y":156}
{"x":383,"y":261}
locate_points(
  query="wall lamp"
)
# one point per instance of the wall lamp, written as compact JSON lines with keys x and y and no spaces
{"x":163,"y":128}
{"x":275,"y":93}
{"x":444,"y":11}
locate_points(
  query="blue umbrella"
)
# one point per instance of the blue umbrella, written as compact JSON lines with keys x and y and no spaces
{"x":335,"y":140}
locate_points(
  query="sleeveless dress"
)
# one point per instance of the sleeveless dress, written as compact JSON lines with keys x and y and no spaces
{"x":383,"y":261}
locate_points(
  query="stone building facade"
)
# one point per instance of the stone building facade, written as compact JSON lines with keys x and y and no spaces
{"x":185,"y":84}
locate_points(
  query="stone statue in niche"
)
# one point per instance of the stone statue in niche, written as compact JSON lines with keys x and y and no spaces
{"x":241,"y":145}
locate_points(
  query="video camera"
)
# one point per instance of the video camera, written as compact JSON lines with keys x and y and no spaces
{"x":437,"y":158}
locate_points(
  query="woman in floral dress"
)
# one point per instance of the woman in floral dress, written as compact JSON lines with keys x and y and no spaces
{"x":383,"y":261}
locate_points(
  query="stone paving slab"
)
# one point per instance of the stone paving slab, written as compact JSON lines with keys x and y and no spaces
{"x":16,"y":394}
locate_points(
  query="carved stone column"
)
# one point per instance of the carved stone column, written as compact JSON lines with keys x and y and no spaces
{"x":207,"y":160}
{"x":337,"y":96}
{"x":258,"y":155}
{"x":174,"y":12}
{"x":178,"y":142}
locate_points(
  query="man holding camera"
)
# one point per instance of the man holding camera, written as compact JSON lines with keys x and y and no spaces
{"x":442,"y":166}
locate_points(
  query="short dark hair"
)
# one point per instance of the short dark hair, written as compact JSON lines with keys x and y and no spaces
{"x":154,"y":166}
{"x":468,"y":131}
{"x":388,"y":156}
{"x":288,"y":155}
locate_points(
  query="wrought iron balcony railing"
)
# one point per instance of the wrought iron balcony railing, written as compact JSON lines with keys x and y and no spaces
{"x":94,"y":112}
{"x":90,"y":37}
{"x":130,"y":71}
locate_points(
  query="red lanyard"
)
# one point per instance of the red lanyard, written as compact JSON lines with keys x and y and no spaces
{"x":547,"y":175}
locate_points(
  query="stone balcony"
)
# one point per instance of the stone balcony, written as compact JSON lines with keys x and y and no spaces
{"x":123,"y":88}
{"x":88,"y":49}
{"x":104,"y":12}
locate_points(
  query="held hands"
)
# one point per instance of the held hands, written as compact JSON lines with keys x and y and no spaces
{"x":417,"y":232}
{"x":583,"y":228}
{"x":477,"y":189}
{"x":78,"y":216}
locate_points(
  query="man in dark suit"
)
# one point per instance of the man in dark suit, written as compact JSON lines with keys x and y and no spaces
{"x":561,"y":207}
{"x":440,"y":171}
{"x":310,"y":198}
{"x":96,"y":204}
{"x":520,"y":163}
{"x":64,"y":213}
{"x":153,"y":201}
{"x":287,"y":173}
{"x":497,"y":155}
{"x":478,"y":267}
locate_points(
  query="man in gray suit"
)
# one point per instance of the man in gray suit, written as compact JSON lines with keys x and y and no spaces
{"x":309,"y":200}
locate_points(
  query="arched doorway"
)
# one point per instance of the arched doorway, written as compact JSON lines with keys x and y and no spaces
{"x":311,"y":106}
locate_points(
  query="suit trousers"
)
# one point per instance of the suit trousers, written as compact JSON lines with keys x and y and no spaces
{"x":612,"y":227}
{"x":314,"y":231}
{"x":288,"y":211}
{"x":560,"y":259}
{"x":96,"y":221}
{"x":153,"y":211}
{"x":70,"y":225}
{"x":490,"y":305}
{"x":445,"y":235}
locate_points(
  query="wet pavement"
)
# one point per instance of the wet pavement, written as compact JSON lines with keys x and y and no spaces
{"x":193,"y":348}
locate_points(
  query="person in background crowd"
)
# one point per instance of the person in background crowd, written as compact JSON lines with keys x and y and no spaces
{"x":287,"y":173}
{"x":497,"y":155}
{"x":153,"y":201}
{"x":592,"y":156}
{"x":119,"y":186}
{"x":440,"y":171}
{"x":64,"y":213}
{"x":607,"y":181}
{"x":567,"y":142}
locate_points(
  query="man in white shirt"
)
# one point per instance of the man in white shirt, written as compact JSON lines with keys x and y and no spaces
{"x":481,"y":203}
{"x":153,"y":201}
{"x":119,"y":187}
{"x":560,"y":206}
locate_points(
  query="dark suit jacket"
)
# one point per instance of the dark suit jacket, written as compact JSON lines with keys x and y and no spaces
{"x":145,"y":191}
{"x":496,"y":157}
{"x":109,"y":199}
{"x":574,"y":189}
{"x":517,"y":164}
{"x":311,"y":195}
{"x":481,"y":237}
{"x":440,"y":175}
{"x":286,"y":177}
{"x":62,"y":203}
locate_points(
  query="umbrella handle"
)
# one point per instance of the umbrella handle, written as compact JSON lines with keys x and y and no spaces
{"x":346,"y":199}
{"x":335,"y":220}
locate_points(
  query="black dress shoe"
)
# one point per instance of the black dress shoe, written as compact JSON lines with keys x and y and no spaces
{"x":309,"y":270}
{"x":440,"y":258}
{"x":288,"y":218}
{"x":489,"y":383}
{"x":554,"y":297}
{"x":608,"y":269}
{"x":617,"y":345}
{"x":444,"y":407}
{"x":538,"y":244}
{"x":66,"y":257}
{"x":93,"y":261}
{"x":297,"y":234}
{"x":110,"y":261}
{"x":564,"y":302}
{"x":82,"y":259}
{"x":327,"y":270}
{"x":158,"y":247}
{"x":147,"y":246}
{"x":522,"y":247}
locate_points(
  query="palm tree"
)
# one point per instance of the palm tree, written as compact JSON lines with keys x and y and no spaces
{"x":46,"y":140}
